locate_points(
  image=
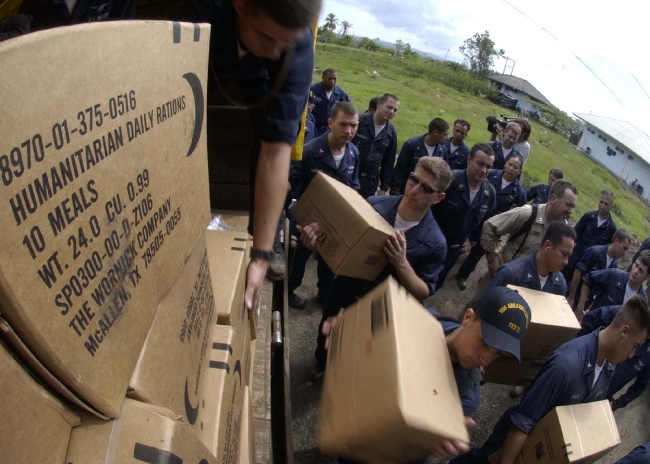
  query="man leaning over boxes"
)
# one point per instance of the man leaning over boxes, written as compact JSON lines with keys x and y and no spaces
{"x":496,"y":324}
{"x":416,"y":252}
{"x":577,"y":372}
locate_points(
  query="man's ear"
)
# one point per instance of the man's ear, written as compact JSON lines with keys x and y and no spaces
{"x":240,"y":7}
{"x":439,"y":198}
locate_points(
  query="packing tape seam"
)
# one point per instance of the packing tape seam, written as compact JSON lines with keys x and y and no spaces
{"x":566,"y":323}
{"x":582,"y":451}
{"x":112,"y":442}
{"x":608,"y":416}
{"x":354,"y":411}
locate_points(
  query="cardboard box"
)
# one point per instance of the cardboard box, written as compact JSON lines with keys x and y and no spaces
{"x":552,"y":324}
{"x":579,"y":433}
{"x":35,"y":426}
{"x":389,"y":392}
{"x":224,"y":392}
{"x":229,"y":255}
{"x":247,"y":443}
{"x":142,"y":433}
{"x":173,"y":360}
{"x":107,"y":193}
{"x":352,"y":233}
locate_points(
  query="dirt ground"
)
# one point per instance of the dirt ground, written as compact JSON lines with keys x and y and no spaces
{"x":305,"y":394}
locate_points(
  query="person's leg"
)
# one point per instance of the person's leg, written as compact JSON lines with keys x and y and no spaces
{"x":325,"y":278}
{"x":298,"y":265}
{"x":470,"y":263}
{"x":452,"y":257}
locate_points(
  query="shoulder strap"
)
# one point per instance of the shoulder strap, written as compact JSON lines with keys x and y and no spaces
{"x":525,"y":229}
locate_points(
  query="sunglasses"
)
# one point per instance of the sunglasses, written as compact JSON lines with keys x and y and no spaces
{"x":425,"y":187}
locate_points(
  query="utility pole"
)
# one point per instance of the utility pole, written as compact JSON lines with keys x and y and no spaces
{"x":448,"y":50}
{"x":513,"y":67}
{"x":505,"y":65}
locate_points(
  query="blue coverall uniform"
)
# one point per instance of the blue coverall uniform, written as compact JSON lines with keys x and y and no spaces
{"x":523,"y":273}
{"x":588,"y":234}
{"x":644,"y":246}
{"x":425,"y":252}
{"x":323,"y":109}
{"x":608,"y":286}
{"x":538,"y":193}
{"x":54,"y":13}
{"x":510,"y":197}
{"x":458,"y":218}
{"x":499,"y":157}
{"x":317,"y":157}
{"x":594,"y":259}
{"x":565,"y":378}
{"x":458,"y":158}
{"x":637,"y":368}
{"x":412,"y":150}
{"x":639,"y":455}
{"x":377,"y":155}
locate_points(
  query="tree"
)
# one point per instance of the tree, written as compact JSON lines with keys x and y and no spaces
{"x":345,"y":28}
{"x":345,"y":41}
{"x":368,"y":44}
{"x":479,"y":53}
{"x":331,"y":22}
{"x":557,"y":117}
{"x":399,"y":47}
{"x":324,"y":35}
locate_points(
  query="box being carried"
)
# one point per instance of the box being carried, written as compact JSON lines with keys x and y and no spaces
{"x":552,"y":324}
{"x":579,"y":433}
{"x":35,"y":426}
{"x":352,"y":233}
{"x":104,"y":191}
{"x":389,"y":392}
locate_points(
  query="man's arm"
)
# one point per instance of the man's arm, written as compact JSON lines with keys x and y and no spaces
{"x":498,"y":226}
{"x":584,"y":294}
{"x":512,"y":446}
{"x":387,"y":165}
{"x":577,"y":277}
{"x":580,"y":226}
{"x":636,"y":389}
{"x":270,"y":194}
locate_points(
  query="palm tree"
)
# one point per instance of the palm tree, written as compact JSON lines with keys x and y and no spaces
{"x":345,"y":28}
{"x":399,"y":47}
{"x":331,"y":22}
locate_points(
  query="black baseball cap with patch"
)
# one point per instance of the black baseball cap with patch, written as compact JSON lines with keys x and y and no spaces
{"x":504,"y":319}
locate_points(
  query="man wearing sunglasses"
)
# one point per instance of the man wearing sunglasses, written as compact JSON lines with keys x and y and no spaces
{"x":469,"y":201}
{"x":416,"y":252}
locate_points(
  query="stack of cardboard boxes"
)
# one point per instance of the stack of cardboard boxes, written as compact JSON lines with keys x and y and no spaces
{"x":125,"y":335}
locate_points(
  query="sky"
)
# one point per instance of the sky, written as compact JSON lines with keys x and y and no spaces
{"x":584,"y":56}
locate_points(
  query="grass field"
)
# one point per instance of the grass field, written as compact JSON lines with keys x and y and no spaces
{"x":424,"y":96}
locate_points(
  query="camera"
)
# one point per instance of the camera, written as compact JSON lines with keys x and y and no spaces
{"x":493,"y":121}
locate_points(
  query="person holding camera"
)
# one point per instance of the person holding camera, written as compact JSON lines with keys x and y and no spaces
{"x":502,"y":148}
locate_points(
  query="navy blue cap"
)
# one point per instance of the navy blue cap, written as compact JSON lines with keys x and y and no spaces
{"x":504,"y":319}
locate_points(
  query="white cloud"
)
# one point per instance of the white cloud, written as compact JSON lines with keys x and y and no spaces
{"x":584,"y":56}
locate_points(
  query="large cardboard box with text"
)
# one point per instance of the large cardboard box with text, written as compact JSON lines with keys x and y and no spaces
{"x":581,"y":433}
{"x":352,"y":233}
{"x":223,"y":399}
{"x":247,"y":443}
{"x":104,"y":191}
{"x":552,"y":324}
{"x":142,"y":433}
{"x":35,"y":426}
{"x":389,"y":393}
{"x":178,"y":352}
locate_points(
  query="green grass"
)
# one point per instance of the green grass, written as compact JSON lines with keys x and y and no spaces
{"x":424,"y":96}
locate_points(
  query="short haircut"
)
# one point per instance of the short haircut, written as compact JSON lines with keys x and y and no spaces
{"x":607,"y":192}
{"x":515,"y":154}
{"x":328,"y":71}
{"x":438,"y":168}
{"x":386,"y":96}
{"x":438,"y":125}
{"x":557,"y":173}
{"x":634,"y":313}
{"x":290,"y":14}
{"x":559,"y":187}
{"x":372,"y":104}
{"x":462,"y":122}
{"x":343,"y":107}
{"x":644,"y":257}
{"x":514,"y":127}
{"x":524,"y":126}
{"x":484,"y":147}
{"x":621,"y":235}
{"x":556,"y":231}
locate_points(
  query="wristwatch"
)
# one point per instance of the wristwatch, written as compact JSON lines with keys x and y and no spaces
{"x":266,"y":255}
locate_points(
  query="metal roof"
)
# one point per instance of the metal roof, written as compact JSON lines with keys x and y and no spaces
{"x":633,"y":138}
{"x":520,"y":84}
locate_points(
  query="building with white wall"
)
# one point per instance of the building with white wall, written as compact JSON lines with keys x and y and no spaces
{"x":619,"y":146}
